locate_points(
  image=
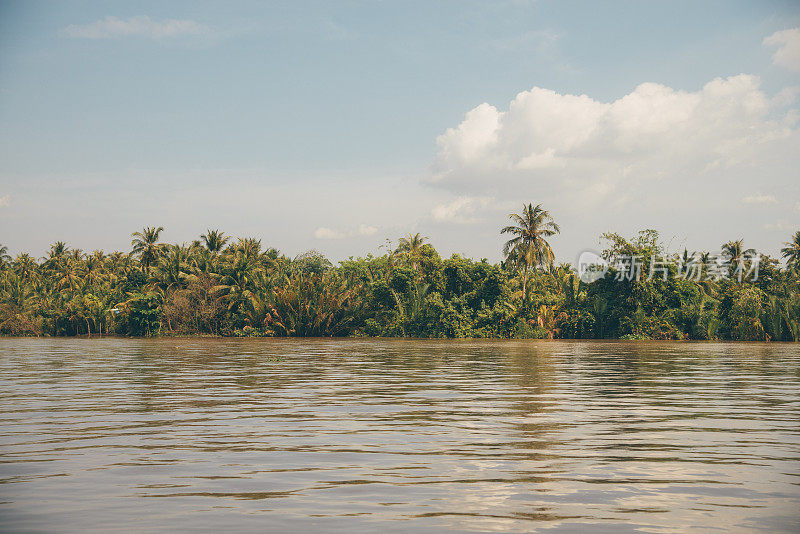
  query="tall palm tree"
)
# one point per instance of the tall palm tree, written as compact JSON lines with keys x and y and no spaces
{"x":792,"y":252}
{"x":56,"y":254}
{"x":735,"y":251}
{"x":411,"y":247}
{"x":145,"y":245}
{"x":736,"y":254}
{"x":250,"y":246}
{"x":25,"y":266}
{"x":214,"y":240}
{"x":93,"y":268}
{"x":69,"y":275}
{"x":4,"y":257}
{"x":529,"y":246}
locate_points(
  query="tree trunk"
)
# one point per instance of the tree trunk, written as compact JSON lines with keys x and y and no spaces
{"x":525,"y":283}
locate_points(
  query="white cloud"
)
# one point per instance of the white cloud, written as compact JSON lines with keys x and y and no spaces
{"x":461,"y":210}
{"x":328,"y":233}
{"x":5,"y":201}
{"x":797,"y":207}
{"x":141,"y":26}
{"x":364,"y":229}
{"x":788,"y":53}
{"x":760,"y":199}
{"x":602,"y":149}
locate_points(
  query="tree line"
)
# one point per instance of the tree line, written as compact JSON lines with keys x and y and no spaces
{"x":224,"y":287}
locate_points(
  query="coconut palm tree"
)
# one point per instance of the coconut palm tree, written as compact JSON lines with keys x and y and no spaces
{"x":145,"y":245}
{"x":736,"y":254}
{"x":529,"y":246}
{"x":173,"y":266}
{"x":411,"y":247}
{"x":58,"y":249}
{"x":734,"y":251}
{"x":69,"y":275}
{"x":792,"y":252}
{"x":25,"y":266}
{"x":4,"y":257}
{"x":249,"y":246}
{"x":236,"y":284}
{"x":214,"y":240}
{"x":93,"y":268}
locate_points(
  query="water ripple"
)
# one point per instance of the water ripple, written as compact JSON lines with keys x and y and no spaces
{"x":109,"y":435}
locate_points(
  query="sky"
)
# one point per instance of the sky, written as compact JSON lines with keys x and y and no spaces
{"x":337,"y":126}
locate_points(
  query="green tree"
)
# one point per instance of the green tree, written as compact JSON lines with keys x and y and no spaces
{"x":4,"y":257}
{"x":214,"y":240}
{"x":411,"y":247}
{"x":792,"y":252}
{"x":145,"y":245}
{"x":529,"y":246}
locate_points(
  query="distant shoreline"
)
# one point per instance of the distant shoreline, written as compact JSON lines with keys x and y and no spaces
{"x":215,"y":287}
{"x":384,"y":338}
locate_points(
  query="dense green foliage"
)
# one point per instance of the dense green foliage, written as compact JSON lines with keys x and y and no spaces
{"x":218,"y":287}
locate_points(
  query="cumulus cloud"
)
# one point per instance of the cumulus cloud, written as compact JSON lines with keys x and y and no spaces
{"x":788,"y":53}
{"x":5,"y":201}
{"x":760,"y":199}
{"x":597,"y":147}
{"x":462,"y":210}
{"x":140,"y":26}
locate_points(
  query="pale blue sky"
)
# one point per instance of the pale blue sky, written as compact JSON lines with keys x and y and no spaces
{"x":315,"y":124}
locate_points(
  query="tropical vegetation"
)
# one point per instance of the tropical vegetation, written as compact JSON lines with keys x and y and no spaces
{"x":221,"y":286}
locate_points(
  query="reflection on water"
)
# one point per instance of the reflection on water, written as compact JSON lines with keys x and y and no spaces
{"x":351,"y":435}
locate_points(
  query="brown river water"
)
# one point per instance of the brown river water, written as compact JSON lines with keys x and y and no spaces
{"x":211,"y":435}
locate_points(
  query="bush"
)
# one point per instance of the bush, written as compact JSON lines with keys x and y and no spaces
{"x":525,"y":331}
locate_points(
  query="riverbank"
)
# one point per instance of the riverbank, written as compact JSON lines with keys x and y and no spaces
{"x":242,"y":290}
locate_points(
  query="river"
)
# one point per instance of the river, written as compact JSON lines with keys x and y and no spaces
{"x":116,"y":435}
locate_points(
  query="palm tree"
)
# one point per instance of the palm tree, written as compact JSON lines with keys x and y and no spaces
{"x":792,"y":252}
{"x":58,"y":249}
{"x":25,"y":266}
{"x":736,"y":254}
{"x":549,"y":318}
{"x":529,"y":246}
{"x":214,"y":240}
{"x":314,"y":305}
{"x":236,"y":284}
{"x":145,"y":245}
{"x":250,"y":246}
{"x":734,"y":251}
{"x":55,"y":256}
{"x":411,"y":247}
{"x":173,"y":266}
{"x":69,"y":275}
{"x":4,"y":257}
{"x":93,"y":268}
